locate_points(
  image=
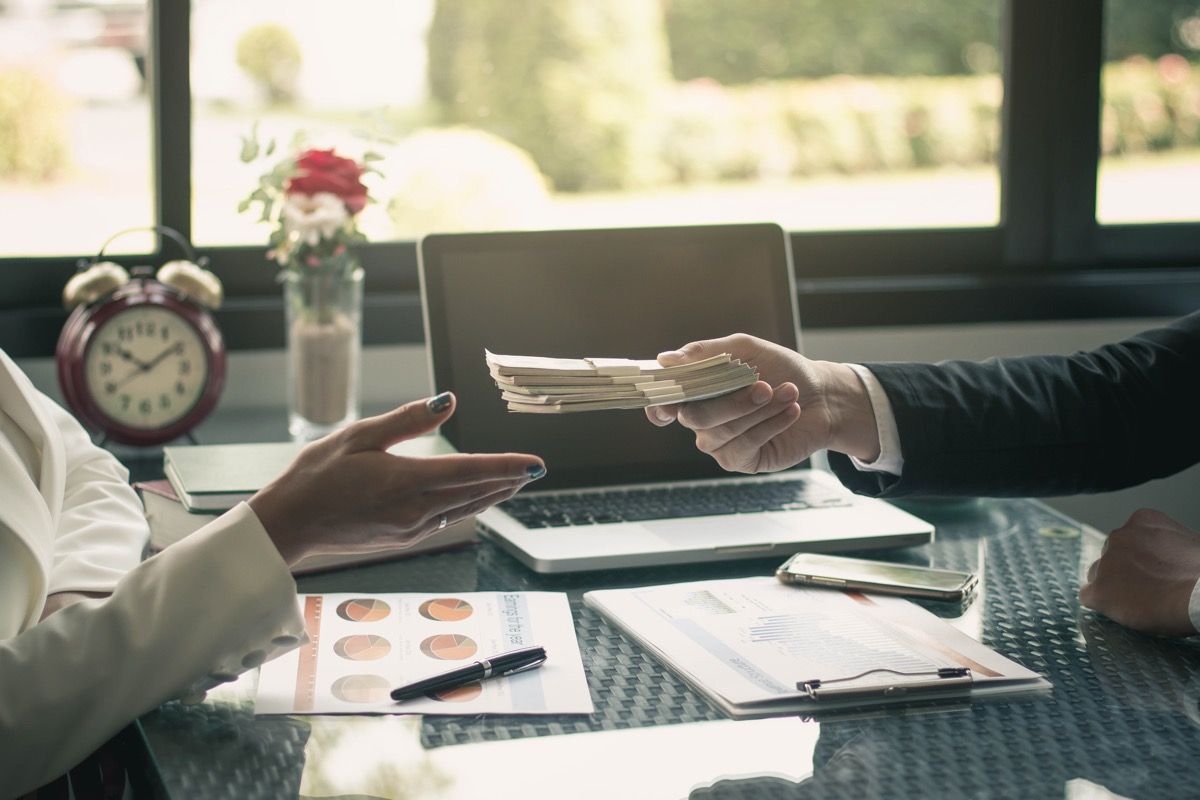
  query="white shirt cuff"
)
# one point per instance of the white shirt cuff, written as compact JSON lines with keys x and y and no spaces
{"x":1194,"y":607}
{"x":890,"y":458}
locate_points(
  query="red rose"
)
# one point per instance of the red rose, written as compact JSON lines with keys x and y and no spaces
{"x":322,"y":171}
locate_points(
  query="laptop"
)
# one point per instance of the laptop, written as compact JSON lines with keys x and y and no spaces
{"x":619,"y":491}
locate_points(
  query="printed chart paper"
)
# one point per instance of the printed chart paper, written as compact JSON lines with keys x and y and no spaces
{"x":362,"y":646}
{"x":746,"y":642}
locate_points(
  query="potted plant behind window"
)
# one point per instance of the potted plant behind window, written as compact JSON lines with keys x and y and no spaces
{"x":312,"y":199}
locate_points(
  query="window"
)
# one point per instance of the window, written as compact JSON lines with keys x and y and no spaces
{"x":1150,"y":124}
{"x":75,"y":154}
{"x":936,"y":160}
{"x":816,"y":114}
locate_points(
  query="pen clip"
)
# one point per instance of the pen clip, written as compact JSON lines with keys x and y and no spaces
{"x":530,"y":665}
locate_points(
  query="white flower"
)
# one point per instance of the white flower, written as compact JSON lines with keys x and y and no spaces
{"x":311,"y":218}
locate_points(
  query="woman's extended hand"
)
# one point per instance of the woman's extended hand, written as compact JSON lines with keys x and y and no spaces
{"x":346,"y":494}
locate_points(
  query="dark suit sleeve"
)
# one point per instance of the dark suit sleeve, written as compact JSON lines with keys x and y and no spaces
{"x":1043,"y":425}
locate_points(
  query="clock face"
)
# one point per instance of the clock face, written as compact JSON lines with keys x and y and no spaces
{"x":146,"y":367}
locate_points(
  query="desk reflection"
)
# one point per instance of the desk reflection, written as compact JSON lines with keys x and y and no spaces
{"x":383,"y":757}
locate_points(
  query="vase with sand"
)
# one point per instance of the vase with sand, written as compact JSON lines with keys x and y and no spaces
{"x":324,"y":349}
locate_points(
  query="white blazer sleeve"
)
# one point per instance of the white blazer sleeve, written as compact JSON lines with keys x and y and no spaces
{"x":101,"y":529}
{"x":207,"y":608}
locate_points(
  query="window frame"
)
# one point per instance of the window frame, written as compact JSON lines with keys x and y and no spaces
{"x":1047,"y":258}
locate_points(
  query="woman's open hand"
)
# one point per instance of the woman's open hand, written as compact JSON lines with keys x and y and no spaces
{"x":346,"y":494}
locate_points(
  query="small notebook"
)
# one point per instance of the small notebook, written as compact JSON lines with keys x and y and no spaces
{"x":756,"y":647}
{"x":537,"y":385}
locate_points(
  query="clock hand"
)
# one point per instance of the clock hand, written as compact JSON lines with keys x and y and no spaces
{"x":154,"y":362}
{"x":146,"y":366}
{"x":130,"y":357}
{"x":138,"y":370}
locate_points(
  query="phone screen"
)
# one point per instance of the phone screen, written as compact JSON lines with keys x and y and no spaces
{"x":861,"y":571}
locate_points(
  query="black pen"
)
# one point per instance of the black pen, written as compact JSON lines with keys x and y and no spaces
{"x":494,"y":667}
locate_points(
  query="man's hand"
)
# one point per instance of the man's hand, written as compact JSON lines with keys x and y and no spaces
{"x":1145,"y":575}
{"x":346,"y":494}
{"x":798,"y":407}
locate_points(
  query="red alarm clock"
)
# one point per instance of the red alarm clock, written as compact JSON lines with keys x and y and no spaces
{"x":140,"y":358}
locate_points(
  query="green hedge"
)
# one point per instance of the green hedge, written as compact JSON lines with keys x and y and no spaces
{"x":851,"y":125}
{"x":1151,"y":105}
{"x":575,"y":83}
{"x":33,"y":126}
{"x":740,"y":41}
{"x":832,"y":125}
{"x":584,"y":91}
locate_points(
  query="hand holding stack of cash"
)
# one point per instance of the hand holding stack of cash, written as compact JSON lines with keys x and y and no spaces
{"x":535,"y":385}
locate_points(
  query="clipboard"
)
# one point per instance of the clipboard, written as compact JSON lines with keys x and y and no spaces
{"x":744,"y":642}
{"x":942,"y":681}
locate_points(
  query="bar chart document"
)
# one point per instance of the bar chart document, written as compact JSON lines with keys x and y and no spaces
{"x":360,"y":647}
{"x":756,"y":647}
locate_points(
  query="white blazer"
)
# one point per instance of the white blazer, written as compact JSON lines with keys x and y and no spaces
{"x":206,"y":609}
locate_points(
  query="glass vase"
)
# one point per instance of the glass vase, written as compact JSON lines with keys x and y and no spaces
{"x":324,"y":349}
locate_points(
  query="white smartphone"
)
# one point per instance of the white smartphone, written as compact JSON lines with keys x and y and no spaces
{"x":838,"y":572}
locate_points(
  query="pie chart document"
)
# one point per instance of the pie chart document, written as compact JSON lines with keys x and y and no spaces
{"x":362,"y":646}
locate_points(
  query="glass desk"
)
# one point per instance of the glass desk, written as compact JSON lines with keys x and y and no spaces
{"x":1123,"y":718}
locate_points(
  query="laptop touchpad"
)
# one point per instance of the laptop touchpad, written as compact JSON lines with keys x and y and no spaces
{"x":732,"y":529}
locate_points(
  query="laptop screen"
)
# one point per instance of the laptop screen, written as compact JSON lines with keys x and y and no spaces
{"x":620,"y":293}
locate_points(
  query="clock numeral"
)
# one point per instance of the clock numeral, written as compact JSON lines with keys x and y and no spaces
{"x":106,"y":348}
{"x":139,"y":327}
{"x":125,"y":401}
{"x":151,"y":328}
{"x":105,"y":367}
{"x":165,"y":330}
{"x":124,"y":333}
{"x":185,"y":367}
{"x":180,"y":388}
{"x":110,"y":387}
{"x":164,"y":401}
{"x":145,"y":406}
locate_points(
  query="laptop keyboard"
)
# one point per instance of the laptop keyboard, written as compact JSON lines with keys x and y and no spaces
{"x":637,"y":505}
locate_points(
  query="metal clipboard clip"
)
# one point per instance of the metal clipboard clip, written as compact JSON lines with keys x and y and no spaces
{"x":942,"y":679}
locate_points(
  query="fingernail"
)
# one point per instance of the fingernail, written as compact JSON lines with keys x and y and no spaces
{"x":760,"y":394}
{"x":440,"y":403}
{"x":535,"y":471}
{"x":671,"y":354}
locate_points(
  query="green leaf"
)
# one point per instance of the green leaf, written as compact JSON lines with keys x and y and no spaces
{"x":244,"y":206}
{"x":371,"y":155}
{"x":270,"y":147}
{"x":249,"y":150}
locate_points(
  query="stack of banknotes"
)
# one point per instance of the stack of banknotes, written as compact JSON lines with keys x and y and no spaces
{"x":535,"y":385}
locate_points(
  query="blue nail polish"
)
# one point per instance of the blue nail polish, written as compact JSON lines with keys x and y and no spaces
{"x":439,"y":404}
{"x":535,"y":471}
